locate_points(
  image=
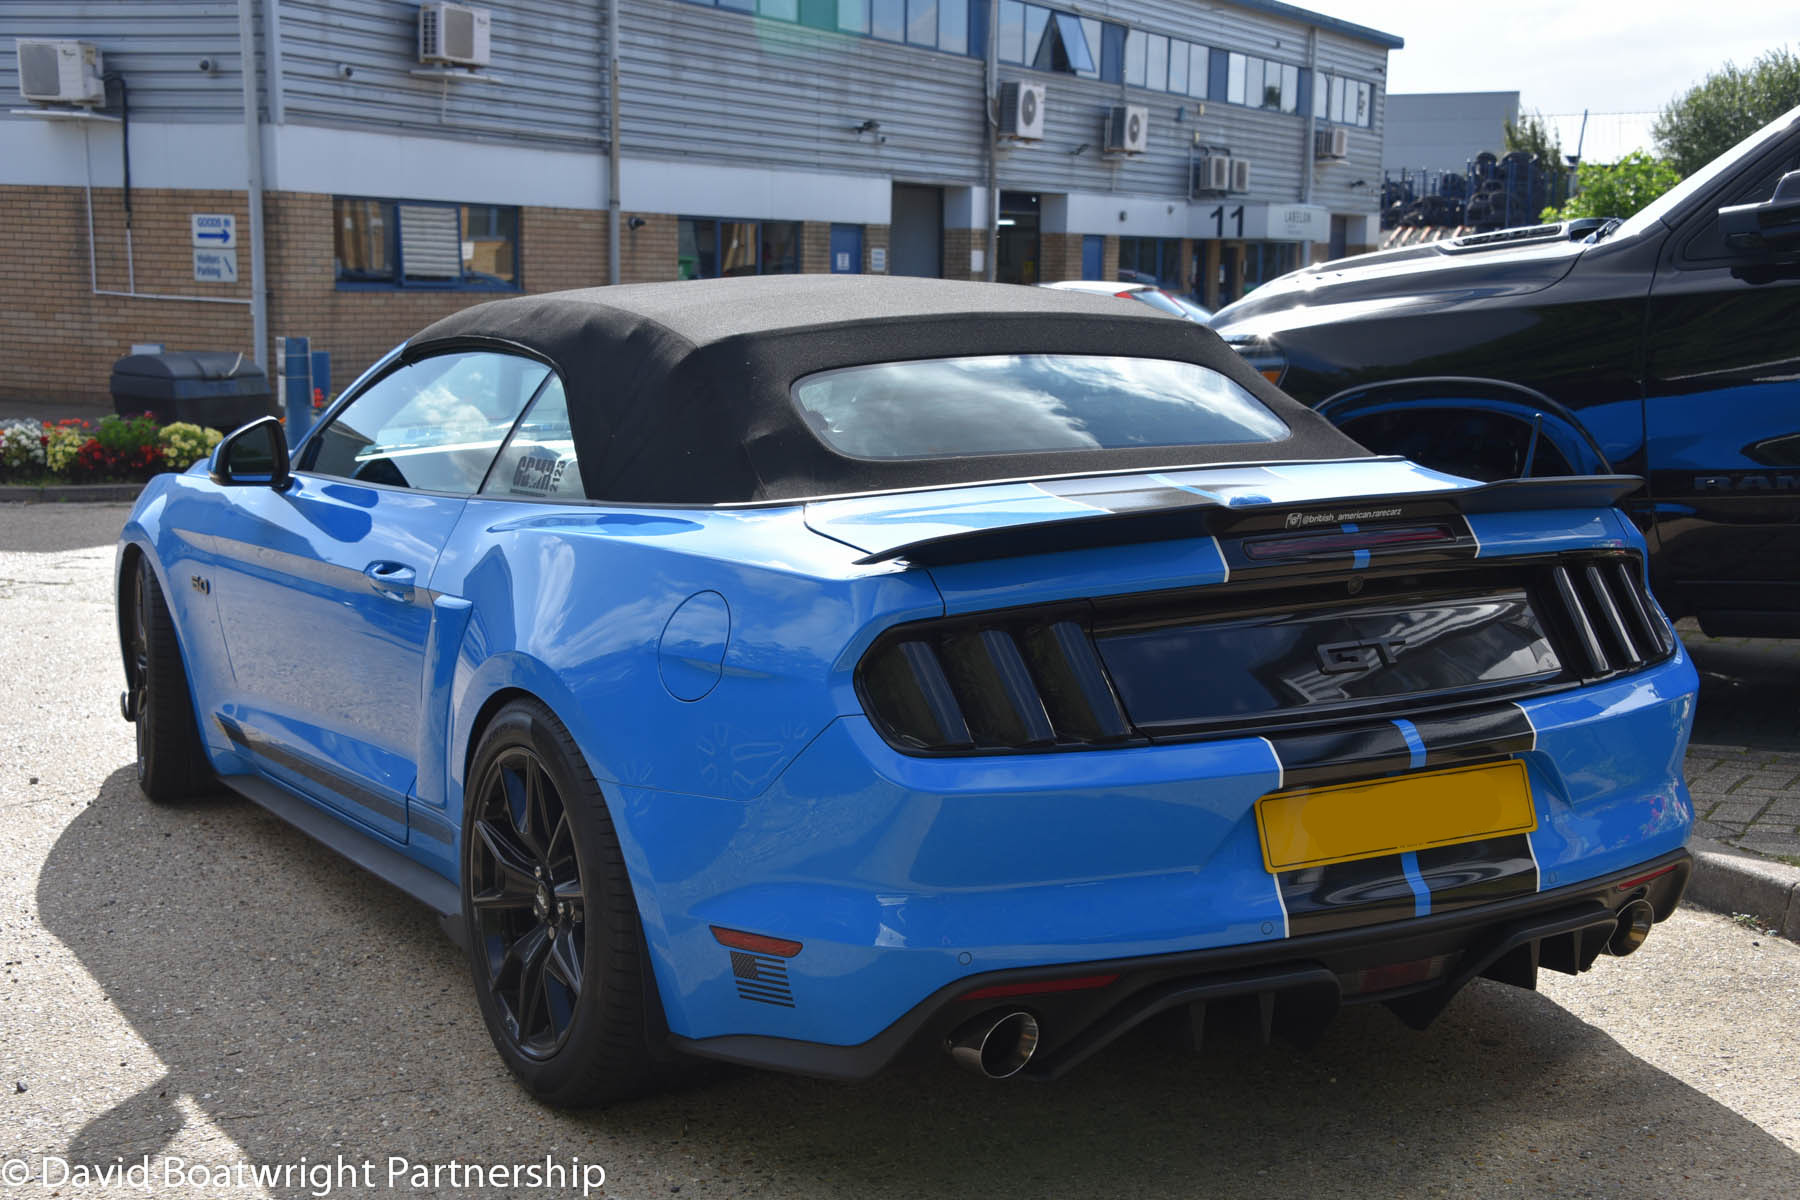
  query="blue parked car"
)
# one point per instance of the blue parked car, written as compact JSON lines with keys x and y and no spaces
{"x":811,"y":671}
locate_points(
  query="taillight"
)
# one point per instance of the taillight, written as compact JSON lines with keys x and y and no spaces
{"x":1303,"y":545}
{"x":994,"y":684}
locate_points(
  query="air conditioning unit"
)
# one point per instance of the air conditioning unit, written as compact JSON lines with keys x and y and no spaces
{"x":1331,"y":144}
{"x":455,"y":34}
{"x":1022,"y":111}
{"x":1240,"y":175}
{"x":1127,"y":129}
{"x":1212,"y":174}
{"x":60,"y":72}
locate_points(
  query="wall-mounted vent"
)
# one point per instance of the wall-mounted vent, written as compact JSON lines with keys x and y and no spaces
{"x":1331,"y":145}
{"x":1212,"y":174}
{"x":430,"y":241}
{"x":1127,"y":129}
{"x":454,"y":34}
{"x":60,"y":72}
{"x":1022,"y":111}
{"x":1240,"y":175}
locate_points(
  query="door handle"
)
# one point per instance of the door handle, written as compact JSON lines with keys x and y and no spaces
{"x":391,"y":579}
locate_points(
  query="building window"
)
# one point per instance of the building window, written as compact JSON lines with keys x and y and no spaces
{"x":1262,"y":83}
{"x":1046,"y":40}
{"x":1165,"y":64}
{"x":709,"y":248}
{"x":422,"y":243}
{"x":1152,"y":260}
{"x":940,"y":24}
{"x":1264,"y":261}
{"x":1343,"y":101}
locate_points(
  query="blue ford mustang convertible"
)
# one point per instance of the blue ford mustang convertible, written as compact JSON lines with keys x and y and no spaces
{"x":812,"y":671}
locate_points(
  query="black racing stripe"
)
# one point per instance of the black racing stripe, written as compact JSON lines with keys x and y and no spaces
{"x":1341,"y":755}
{"x":1491,"y":732}
{"x":249,"y":739}
{"x":429,"y":824}
{"x":1478,"y":872}
{"x":1345,"y":895}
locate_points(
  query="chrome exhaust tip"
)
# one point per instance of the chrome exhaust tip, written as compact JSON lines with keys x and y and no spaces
{"x":997,"y":1047}
{"x":1635,"y":920}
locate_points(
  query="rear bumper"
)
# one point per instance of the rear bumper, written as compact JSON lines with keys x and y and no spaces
{"x":1293,"y":984}
{"x":903,"y":877}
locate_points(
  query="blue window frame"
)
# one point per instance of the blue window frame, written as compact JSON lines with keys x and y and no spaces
{"x":386,"y":243}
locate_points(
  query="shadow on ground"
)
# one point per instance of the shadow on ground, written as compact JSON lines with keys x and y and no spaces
{"x":1749,"y":692}
{"x":308,"y":1009}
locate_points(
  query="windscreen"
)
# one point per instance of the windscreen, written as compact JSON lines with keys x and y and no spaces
{"x":1026,"y":404}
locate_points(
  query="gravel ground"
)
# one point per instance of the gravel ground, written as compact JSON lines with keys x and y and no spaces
{"x":205,"y":983}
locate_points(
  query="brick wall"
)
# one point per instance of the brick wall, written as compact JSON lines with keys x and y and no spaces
{"x":1061,"y":256}
{"x":648,"y":253}
{"x":558,"y":248}
{"x":815,"y":247}
{"x":57,"y":339}
{"x":874,"y":237}
{"x":1109,"y":258}
{"x":958,"y":243}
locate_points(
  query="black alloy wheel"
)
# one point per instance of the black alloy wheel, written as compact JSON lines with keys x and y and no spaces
{"x":525,"y":893}
{"x":171,"y":762}
{"x":555,"y":943}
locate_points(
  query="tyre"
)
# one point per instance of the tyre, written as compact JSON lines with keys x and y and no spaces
{"x":554,"y":940}
{"x":171,"y":762}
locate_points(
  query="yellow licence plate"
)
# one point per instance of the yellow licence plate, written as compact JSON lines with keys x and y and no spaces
{"x":1315,"y":827}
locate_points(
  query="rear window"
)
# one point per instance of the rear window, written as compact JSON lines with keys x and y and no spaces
{"x":1026,"y":404}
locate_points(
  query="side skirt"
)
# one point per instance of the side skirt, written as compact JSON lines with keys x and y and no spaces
{"x":389,"y":865}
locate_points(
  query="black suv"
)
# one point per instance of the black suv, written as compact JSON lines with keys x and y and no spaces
{"x":1666,"y":346}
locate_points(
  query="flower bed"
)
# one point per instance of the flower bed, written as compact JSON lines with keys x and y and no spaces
{"x":113,"y":450}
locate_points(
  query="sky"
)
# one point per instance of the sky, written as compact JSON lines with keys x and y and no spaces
{"x":1563,"y":56}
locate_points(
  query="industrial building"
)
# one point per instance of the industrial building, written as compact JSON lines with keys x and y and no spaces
{"x":209,"y":175}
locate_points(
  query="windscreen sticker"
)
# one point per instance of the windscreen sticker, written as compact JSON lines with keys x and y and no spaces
{"x":539,"y":476}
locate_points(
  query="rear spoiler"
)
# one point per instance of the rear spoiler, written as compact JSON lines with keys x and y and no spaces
{"x":1200,"y":516}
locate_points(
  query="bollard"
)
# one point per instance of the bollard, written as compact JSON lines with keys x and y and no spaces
{"x":296,"y":386}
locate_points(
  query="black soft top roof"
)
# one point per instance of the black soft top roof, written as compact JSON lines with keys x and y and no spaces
{"x":679,"y":393}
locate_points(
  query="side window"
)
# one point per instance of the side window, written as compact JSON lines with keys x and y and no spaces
{"x":433,"y":425}
{"x":1706,"y":243}
{"x":538,"y":460}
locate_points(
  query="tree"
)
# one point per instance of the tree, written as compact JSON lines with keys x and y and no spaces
{"x":1730,"y":105}
{"x":1617,"y":190}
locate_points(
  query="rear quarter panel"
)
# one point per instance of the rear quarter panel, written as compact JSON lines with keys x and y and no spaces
{"x":571,"y":603}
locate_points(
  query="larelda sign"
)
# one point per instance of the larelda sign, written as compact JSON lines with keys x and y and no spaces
{"x":1262,"y":222}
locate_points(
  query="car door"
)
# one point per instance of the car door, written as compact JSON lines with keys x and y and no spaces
{"x":1722,"y":417}
{"x":322,"y":587}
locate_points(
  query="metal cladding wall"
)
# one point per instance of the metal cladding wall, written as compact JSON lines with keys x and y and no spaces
{"x":713,"y":85}
{"x":707,"y":88}
{"x":549,"y":69}
{"x":738,"y":89}
{"x":156,"y":46}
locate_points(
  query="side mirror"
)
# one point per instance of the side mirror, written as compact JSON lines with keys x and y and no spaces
{"x":1773,"y":223}
{"x":253,"y":455}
